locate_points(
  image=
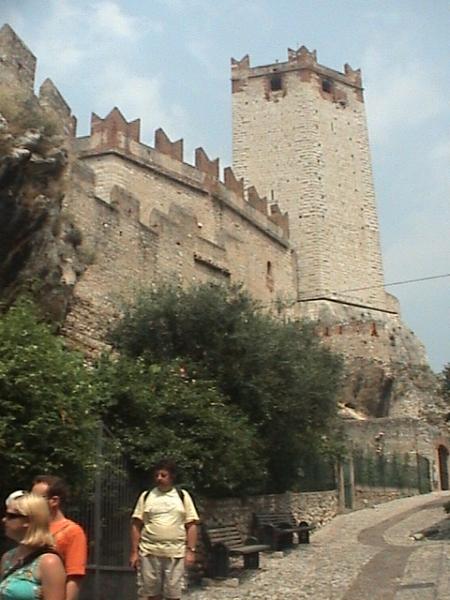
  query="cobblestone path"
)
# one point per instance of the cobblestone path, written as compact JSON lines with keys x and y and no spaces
{"x":364,"y":555}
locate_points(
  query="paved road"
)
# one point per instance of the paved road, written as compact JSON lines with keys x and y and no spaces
{"x":364,"y":555}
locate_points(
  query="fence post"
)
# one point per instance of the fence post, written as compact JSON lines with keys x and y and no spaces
{"x":98,"y":512}
{"x":351,"y":482}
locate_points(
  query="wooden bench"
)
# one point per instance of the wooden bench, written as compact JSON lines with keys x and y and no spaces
{"x":278,"y":528}
{"x":223,"y":541}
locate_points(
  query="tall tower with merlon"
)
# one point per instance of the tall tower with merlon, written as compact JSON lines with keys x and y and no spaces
{"x":300,"y":137}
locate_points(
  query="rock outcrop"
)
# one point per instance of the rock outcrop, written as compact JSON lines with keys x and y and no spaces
{"x":38,"y":240}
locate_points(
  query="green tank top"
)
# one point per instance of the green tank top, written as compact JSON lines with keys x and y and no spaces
{"x":23,"y":583}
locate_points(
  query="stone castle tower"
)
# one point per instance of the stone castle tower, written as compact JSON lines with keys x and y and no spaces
{"x":300,"y":136}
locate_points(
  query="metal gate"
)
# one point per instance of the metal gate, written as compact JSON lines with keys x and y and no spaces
{"x":104,"y":512}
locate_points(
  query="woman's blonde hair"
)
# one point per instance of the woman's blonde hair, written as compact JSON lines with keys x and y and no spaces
{"x":36,"y":509}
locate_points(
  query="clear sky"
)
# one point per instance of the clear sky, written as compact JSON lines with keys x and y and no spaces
{"x":168,"y":62}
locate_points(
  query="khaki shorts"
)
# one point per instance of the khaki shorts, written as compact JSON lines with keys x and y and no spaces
{"x":160,"y":575}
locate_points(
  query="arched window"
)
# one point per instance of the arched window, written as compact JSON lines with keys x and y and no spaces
{"x":269,"y":276}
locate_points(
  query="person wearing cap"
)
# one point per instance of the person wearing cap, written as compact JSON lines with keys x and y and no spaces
{"x":33,"y":569}
{"x":69,"y":536}
{"x":163,"y":536}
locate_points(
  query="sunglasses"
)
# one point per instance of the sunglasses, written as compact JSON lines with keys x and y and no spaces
{"x":13,"y":515}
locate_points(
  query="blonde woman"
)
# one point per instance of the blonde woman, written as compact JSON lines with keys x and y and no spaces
{"x":33,"y":570}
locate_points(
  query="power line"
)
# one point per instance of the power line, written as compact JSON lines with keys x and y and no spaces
{"x":369,"y":287}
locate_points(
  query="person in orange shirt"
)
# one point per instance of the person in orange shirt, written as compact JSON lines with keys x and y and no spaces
{"x":70,"y":538}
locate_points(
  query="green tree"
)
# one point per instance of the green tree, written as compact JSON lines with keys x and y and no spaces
{"x":47,"y":396}
{"x":277,"y":373}
{"x":165,"y":410}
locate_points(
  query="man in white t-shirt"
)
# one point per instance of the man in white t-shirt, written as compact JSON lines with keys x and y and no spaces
{"x":163,"y":536}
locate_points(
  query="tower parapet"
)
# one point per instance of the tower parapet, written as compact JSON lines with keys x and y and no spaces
{"x":302,"y":61}
{"x":302,"y":57}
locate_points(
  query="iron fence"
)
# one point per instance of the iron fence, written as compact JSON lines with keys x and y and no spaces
{"x":104,"y":511}
{"x":317,"y":474}
{"x":407,"y":471}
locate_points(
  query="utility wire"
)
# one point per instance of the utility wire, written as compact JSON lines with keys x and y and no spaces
{"x":369,"y":287}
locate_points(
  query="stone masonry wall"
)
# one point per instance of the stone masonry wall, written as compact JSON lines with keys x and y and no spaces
{"x":314,"y":507}
{"x":366,"y":497}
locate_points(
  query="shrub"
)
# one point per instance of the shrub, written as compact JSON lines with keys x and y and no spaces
{"x":23,"y":112}
{"x":159,"y":410}
{"x":47,"y":396}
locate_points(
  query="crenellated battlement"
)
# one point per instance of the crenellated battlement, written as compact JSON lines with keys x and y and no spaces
{"x":204,"y":164}
{"x":165,"y":146}
{"x":301,"y":60}
{"x":51,"y":100}
{"x":302,"y":56}
{"x":114,"y":134}
{"x":17,"y":76}
{"x":114,"y":131}
{"x":17,"y":62}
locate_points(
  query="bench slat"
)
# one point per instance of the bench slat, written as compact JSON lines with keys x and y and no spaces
{"x":249,"y":549}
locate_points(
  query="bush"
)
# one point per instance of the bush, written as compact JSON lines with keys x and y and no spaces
{"x":23,"y":112}
{"x":160,"y":410}
{"x":47,"y":422}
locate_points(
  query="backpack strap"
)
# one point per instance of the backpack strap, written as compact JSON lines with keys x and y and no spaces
{"x":179,"y":491}
{"x":181,"y":494}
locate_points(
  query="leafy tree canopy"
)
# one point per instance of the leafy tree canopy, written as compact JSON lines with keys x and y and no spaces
{"x":276,"y":373}
{"x":47,"y":396}
{"x":164,"y":410}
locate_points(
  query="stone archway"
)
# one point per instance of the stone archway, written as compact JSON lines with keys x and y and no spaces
{"x":443,"y":455}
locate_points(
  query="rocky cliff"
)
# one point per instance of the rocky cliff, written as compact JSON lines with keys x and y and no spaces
{"x":38,"y":240}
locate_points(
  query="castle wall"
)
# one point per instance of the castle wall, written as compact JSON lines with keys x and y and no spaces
{"x":163,"y":228}
{"x":118,"y":252}
{"x":307,"y":149}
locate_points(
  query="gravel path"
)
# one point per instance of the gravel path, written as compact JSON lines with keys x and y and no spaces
{"x":364,"y":555}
